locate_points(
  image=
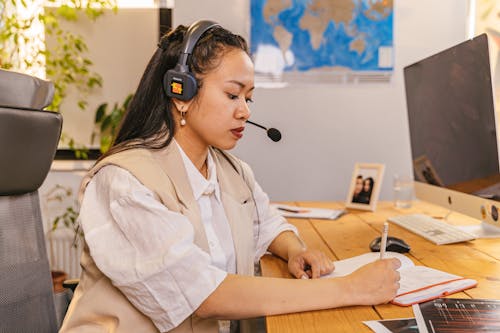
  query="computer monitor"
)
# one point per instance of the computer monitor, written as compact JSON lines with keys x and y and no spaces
{"x":453,"y":137}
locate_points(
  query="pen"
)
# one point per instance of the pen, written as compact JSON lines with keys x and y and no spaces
{"x":291,"y":210}
{"x":383,"y":241}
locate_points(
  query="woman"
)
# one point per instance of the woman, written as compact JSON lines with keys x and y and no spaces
{"x":358,"y":188}
{"x":366,"y":193}
{"x":173,"y":224}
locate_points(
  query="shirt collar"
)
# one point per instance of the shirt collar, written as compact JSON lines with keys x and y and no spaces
{"x":199,"y":184}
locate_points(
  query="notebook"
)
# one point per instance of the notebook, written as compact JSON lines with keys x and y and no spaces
{"x":308,"y":212}
{"x":418,"y":283}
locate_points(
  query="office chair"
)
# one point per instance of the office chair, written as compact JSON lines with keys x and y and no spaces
{"x":28,"y":142}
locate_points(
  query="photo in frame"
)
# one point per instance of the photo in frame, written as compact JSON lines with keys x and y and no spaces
{"x":425,"y":171}
{"x":365,"y":185}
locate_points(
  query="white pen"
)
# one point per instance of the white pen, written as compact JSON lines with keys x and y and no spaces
{"x":383,"y":240}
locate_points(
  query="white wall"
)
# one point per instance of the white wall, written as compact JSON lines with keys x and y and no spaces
{"x":326,"y":128}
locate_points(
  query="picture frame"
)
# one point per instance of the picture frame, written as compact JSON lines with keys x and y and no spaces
{"x":365,"y":186}
{"x":425,"y":171}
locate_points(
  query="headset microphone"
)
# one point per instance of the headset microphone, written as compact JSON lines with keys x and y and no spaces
{"x":272,"y":133}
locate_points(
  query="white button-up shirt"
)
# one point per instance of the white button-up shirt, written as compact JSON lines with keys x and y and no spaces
{"x":207,"y":194}
{"x":148,"y":251}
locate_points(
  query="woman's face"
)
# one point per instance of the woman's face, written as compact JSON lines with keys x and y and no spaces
{"x":366,"y":185}
{"x":217,"y":116}
{"x":358,"y":186}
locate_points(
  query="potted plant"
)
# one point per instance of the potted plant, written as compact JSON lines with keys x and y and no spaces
{"x":66,"y":63}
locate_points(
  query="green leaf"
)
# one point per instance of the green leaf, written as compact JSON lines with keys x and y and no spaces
{"x":79,"y":47}
{"x":82,"y":104}
{"x":55,"y":222}
{"x":127,"y":101}
{"x":105,"y":123}
{"x":100,"y":112}
{"x":67,"y":13}
{"x":92,"y":82}
{"x":116,"y":117}
{"x":105,"y":143}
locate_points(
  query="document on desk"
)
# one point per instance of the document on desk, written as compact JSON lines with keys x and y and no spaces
{"x":444,"y":315}
{"x":308,"y":212}
{"x":418,"y":283}
{"x":405,"y":325}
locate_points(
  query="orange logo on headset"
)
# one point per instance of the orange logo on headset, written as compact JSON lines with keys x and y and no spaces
{"x":176,"y":88}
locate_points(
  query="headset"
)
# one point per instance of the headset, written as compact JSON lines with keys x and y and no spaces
{"x":179,"y":82}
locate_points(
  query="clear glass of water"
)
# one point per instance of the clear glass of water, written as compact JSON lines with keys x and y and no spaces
{"x":403,"y":191}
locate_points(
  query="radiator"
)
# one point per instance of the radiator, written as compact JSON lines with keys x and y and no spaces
{"x":63,"y":255}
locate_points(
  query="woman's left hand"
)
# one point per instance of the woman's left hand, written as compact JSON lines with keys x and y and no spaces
{"x":309,"y":264}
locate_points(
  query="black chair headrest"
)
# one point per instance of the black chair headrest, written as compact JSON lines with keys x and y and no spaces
{"x":28,"y":143}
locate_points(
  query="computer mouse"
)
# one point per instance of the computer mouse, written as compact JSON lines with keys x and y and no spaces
{"x":393,"y":244}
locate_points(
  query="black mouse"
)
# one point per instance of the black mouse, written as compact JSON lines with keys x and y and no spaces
{"x":393,"y":244}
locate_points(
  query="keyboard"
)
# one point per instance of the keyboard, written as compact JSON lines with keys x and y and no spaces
{"x":434,"y":230}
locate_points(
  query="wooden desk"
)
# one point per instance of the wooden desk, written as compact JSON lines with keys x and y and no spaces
{"x":350,"y":235}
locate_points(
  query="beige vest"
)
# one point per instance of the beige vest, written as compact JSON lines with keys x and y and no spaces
{"x":97,"y":306}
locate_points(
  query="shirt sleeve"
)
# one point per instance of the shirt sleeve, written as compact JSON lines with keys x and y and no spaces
{"x":269,"y":223}
{"x":145,"y":249}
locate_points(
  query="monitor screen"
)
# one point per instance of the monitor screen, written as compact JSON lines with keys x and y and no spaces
{"x":452,"y":120}
{"x":453,"y":136}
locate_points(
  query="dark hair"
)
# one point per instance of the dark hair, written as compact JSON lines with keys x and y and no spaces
{"x":371,"y":181}
{"x":149,"y":122}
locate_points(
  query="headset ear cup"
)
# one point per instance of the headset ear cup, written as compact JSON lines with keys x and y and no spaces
{"x":191,"y":88}
{"x":179,"y":82}
{"x":180,"y":85}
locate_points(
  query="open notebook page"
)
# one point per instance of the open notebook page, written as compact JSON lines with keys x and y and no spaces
{"x":347,"y":266}
{"x":418,"y":283}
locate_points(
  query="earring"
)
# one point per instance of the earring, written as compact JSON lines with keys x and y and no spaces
{"x":183,"y":120}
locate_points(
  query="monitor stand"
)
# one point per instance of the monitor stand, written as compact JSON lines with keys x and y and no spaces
{"x":482,"y":230}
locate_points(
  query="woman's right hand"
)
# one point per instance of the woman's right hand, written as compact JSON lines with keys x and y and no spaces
{"x":375,"y":283}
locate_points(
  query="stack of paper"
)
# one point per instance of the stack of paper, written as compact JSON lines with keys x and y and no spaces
{"x":308,"y":212}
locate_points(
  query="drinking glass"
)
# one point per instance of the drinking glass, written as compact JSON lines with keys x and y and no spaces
{"x":403,"y":191}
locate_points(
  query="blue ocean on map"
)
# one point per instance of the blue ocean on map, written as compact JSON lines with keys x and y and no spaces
{"x":369,"y":28}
